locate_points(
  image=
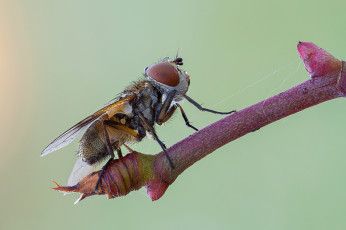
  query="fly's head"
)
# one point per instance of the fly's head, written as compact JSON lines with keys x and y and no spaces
{"x":167,"y":76}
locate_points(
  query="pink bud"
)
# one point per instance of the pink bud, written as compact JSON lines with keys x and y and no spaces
{"x":156,"y":188}
{"x":317,"y":61}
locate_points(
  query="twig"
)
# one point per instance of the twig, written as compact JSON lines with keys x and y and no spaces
{"x":328,"y":81}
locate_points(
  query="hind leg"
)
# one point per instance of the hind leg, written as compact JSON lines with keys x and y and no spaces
{"x":109,"y":150}
{"x":116,"y":145}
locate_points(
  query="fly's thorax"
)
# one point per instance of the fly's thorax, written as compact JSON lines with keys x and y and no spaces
{"x":146,"y":99}
{"x":147,"y":103}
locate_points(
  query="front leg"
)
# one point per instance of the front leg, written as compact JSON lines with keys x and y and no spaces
{"x":164,"y":111}
{"x":205,"y":109}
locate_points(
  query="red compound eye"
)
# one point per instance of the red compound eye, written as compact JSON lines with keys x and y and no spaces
{"x":164,"y":73}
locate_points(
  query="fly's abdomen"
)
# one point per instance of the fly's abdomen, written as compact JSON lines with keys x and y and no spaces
{"x":92,"y":148}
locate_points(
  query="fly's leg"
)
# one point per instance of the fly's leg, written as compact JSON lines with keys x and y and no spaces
{"x":118,"y":149}
{"x":204,"y":109}
{"x":107,"y":140}
{"x":102,"y":171}
{"x":109,"y":150}
{"x":146,"y":125}
{"x":185,"y":118}
{"x":164,"y":111}
{"x":106,"y":165}
{"x":116,"y":126}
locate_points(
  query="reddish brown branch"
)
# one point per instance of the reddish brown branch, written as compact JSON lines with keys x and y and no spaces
{"x":328,"y":81}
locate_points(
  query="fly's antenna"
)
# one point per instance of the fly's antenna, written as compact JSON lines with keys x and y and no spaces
{"x":176,"y":56}
{"x":178,"y":60}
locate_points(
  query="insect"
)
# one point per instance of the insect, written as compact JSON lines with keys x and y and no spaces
{"x":147,"y":102}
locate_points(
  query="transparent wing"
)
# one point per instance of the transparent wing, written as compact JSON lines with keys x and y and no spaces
{"x":80,"y":170}
{"x":122,"y":106}
{"x":68,"y":136}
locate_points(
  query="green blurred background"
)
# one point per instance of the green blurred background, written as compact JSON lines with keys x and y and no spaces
{"x":62,"y":60}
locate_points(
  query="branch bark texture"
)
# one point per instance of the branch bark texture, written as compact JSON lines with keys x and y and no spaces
{"x":327,"y":81}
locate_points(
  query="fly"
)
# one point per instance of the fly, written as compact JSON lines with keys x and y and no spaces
{"x":150,"y":101}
